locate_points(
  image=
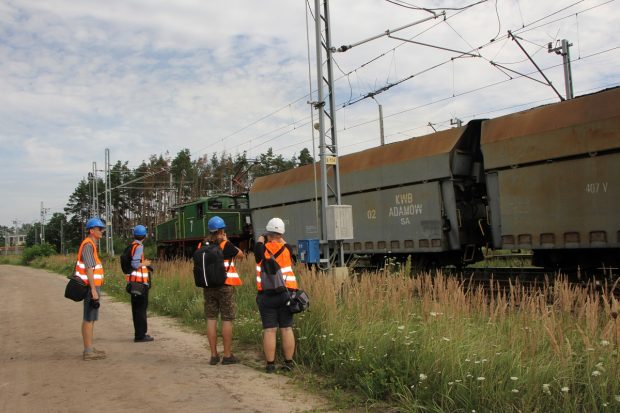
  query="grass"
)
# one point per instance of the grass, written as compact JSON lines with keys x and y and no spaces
{"x":427,"y":343}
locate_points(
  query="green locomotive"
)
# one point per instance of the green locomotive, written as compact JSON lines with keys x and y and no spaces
{"x":180,"y":235}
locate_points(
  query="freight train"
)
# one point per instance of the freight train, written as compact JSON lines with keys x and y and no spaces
{"x":545,"y":179}
{"x":180,"y":235}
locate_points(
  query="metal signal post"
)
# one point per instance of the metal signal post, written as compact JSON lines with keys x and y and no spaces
{"x":328,"y":151}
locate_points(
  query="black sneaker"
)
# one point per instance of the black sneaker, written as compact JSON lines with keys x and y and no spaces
{"x":144,"y":339}
{"x":214,"y":360}
{"x":287,"y":366}
{"x":270,"y":368}
{"x":230,"y":360}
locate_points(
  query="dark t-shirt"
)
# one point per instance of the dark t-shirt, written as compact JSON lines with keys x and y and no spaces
{"x":229,"y":251}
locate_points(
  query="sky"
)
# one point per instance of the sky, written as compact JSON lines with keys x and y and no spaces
{"x":144,"y":78}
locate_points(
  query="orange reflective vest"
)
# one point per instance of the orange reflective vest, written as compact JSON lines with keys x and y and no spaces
{"x":80,"y":268}
{"x":284,"y":261}
{"x":232,"y":277}
{"x":140,"y":274}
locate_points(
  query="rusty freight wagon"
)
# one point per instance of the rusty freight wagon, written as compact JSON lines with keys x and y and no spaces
{"x":422,"y":197}
{"x":545,"y":179}
{"x":553,"y":180}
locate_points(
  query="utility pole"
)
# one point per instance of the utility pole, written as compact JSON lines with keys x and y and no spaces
{"x":328,"y":152}
{"x":62,"y":237}
{"x":16,"y":239}
{"x":44,"y":212}
{"x":381,"y":133}
{"x":108,"y":205}
{"x":95,"y":207}
{"x":563,"y":50}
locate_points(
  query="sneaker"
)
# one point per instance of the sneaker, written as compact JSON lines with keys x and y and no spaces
{"x":287,"y":366}
{"x":144,"y":339}
{"x":97,"y":351}
{"x":230,"y":360}
{"x":214,"y":360}
{"x":270,"y":368}
{"x":91,"y":355}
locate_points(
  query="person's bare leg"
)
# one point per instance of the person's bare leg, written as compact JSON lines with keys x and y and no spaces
{"x":212,"y":336}
{"x":227,"y":333}
{"x":87,"y":333}
{"x":288,"y":342}
{"x":269,"y":344}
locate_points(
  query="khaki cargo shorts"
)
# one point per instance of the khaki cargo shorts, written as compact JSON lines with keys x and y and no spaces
{"x":220,"y":301}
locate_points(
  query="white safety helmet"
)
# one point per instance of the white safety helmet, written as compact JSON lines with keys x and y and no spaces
{"x":275,"y":225}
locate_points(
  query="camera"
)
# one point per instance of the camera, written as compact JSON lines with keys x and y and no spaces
{"x":95,"y":304}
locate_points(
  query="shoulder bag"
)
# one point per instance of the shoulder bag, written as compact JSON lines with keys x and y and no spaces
{"x":76,"y":288}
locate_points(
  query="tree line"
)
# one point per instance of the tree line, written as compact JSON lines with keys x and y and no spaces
{"x":146,"y":194}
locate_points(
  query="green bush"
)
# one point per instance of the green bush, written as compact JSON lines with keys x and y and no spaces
{"x":39,"y":250}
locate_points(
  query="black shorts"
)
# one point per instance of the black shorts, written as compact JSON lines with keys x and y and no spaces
{"x":273,"y":310}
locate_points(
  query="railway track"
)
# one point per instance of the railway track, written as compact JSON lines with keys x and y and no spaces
{"x":501,"y":279}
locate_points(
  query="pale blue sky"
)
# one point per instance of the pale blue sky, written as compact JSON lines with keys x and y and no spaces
{"x":148,"y":77}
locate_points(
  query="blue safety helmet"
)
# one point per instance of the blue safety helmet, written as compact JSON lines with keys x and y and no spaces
{"x":139,"y":230}
{"x":94,"y":223}
{"x":216,"y":223}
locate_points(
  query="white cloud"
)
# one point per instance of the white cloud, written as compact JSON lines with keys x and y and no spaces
{"x":148,"y":77}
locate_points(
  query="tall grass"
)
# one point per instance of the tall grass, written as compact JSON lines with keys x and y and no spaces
{"x":429,"y":343}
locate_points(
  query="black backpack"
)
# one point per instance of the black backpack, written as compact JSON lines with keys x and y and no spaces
{"x":209,"y":269}
{"x":126,"y":258}
{"x":271,"y":276}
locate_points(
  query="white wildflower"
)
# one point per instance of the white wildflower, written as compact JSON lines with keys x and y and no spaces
{"x":565,"y":389}
{"x":401,"y":327}
{"x":604,"y":343}
{"x":546,"y":388}
{"x":515,"y":390}
{"x":467,"y":360}
{"x":450,"y":383}
{"x":433,"y":314}
{"x":481,"y":378}
{"x":617,"y":397}
{"x":513,"y":378}
{"x":596,"y":373}
{"x":445,"y":339}
{"x":423,"y":376}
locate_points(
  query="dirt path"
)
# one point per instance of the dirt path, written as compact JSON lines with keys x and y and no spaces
{"x":41,"y":366}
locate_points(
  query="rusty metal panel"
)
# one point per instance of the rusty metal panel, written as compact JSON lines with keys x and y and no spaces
{"x":582,"y":125}
{"x":413,"y":160}
{"x":569,"y":204}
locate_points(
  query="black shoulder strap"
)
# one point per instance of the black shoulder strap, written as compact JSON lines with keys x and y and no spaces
{"x":277,"y":253}
{"x":280,"y":251}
